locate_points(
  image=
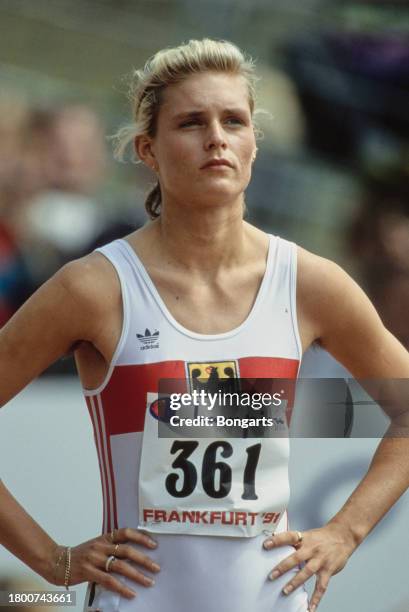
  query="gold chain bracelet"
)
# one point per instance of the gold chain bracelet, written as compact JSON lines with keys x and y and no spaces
{"x":67,"y":574}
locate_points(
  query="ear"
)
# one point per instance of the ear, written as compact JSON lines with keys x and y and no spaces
{"x":144,"y":150}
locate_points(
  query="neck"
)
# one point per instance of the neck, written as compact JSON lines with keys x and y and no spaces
{"x":202,"y":238}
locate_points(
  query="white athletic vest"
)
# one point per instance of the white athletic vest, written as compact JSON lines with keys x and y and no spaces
{"x":201,"y":548}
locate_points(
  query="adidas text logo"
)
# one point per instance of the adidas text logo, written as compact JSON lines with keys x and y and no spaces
{"x":148,"y":341}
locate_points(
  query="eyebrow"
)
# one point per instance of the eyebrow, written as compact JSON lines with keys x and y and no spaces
{"x":201,"y":113}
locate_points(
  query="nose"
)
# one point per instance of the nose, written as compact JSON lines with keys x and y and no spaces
{"x":215,"y":137}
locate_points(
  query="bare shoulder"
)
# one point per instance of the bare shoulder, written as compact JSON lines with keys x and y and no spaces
{"x":344,"y":321}
{"x":92,"y":282}
{"x":311,"y":265}
{"x":326,"y":289}
{"x":317,"y":277}
{"x":71,"y":307}
{"x":328,"y":296}
{"x":93,"y":286}
{"x":314,"y":274}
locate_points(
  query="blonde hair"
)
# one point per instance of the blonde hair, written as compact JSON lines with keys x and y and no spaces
{"x":170,"y":66}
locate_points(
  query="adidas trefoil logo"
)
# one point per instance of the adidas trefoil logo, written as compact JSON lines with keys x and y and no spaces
{"x":148,"y":341}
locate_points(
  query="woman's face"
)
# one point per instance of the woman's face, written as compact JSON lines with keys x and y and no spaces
{"x":204,"y":142}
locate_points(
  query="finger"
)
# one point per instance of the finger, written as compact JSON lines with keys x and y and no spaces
{"x":111,"y":583}
{"x":127,"y":534}
{"x":287,"y":564}
{"x":302,"y":576}
{"x":286,"y":538}
{"x":98,"y":558}
{"x":125,"y":569}
{"x":125,"y":551}
{"x":319,"y":591}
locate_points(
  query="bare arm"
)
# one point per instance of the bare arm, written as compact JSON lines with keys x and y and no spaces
{"x":44,"y":329}
{"x":338,"y":315}
{"x":351,"y":330}
{"x":73,"y":307}
{"x":59,"y":315}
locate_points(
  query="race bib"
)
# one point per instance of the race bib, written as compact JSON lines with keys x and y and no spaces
{"x":211,"y":486}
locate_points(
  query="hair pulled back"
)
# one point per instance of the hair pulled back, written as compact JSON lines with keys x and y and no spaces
{"x":165,"y":68}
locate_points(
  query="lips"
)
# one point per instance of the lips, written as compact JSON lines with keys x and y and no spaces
{"x":217,"y":162}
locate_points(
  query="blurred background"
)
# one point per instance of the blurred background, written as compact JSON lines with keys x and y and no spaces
{"x":332,"y":174}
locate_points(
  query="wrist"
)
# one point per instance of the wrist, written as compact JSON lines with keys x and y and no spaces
{"x":351,"y":536}
{"x":53,"y":565}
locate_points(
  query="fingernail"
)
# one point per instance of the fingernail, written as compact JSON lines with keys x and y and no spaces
{"x":152,"y":543}
{"x":287,"y":589}
{"x":275,"y":574}
{"x":131,"y":593}
{"x":268,"y":544}
{"x":313,"y":608}
{"x":150,"y":581}
{"x":155,"y":567}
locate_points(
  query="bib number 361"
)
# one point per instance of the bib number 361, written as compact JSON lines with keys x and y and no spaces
{"x":216,"y":475}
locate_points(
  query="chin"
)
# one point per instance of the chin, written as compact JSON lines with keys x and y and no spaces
{"x":211,"y":193}
{"x":221,"y":191}
{"x":223,"y":188}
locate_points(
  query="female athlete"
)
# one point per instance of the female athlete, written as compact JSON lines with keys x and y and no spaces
{"x":198,"y":294}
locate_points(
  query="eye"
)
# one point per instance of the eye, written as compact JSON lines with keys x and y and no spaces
{"x":235,"y":121}
{"x":190,"y":122}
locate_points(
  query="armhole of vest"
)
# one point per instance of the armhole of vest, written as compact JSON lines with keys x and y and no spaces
{"x":293,"y":300}
{"x":124,"y":330}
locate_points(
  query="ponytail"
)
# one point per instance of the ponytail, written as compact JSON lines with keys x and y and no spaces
{"x":153,"y":202}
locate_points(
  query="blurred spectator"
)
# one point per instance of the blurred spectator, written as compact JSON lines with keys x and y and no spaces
{"x":19,"y":179}
{"x":380,"y":240}
{"x":65,"y":217}
{"x":352,"y":86}
{"x":53,"y":163}
{"x":15,"y":282}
